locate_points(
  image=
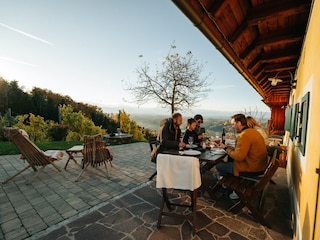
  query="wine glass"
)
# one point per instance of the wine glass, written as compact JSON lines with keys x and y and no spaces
{"x":217,"y":140}
{"x":190,"y":140}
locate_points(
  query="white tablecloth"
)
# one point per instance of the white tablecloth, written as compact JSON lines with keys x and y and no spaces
{"x":179,"y":172}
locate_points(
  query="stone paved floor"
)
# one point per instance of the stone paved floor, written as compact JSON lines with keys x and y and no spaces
{"x":122,"y":206}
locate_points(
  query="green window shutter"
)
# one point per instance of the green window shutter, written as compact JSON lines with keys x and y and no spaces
{"x":303,"y":125}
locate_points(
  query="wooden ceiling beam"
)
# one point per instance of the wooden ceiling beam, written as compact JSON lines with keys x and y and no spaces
{"x":280,"y":37}
{"x":281,"y":56}
{"x":254,"y":62}
{"x":278,"y":91}
{"x":260,"y":76}
{"x":238,"y":32}
{"x":276,"y":9}
{"x":215,"y":7}
{"x":278,"y":67}
{"x":265,"y":84}
{"x":272,"y":39}
{"x":248,"y":50}
{"x":258,"y":70}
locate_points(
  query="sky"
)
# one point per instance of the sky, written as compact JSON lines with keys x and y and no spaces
{"x":87,"y":49}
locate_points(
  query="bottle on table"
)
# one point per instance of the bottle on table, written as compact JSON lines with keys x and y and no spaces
{"x":223,"y":137}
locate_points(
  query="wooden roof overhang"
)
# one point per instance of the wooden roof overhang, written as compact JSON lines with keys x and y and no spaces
{"x":260,"y":38}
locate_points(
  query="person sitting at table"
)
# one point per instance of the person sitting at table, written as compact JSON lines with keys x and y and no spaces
{"x":199,"y":130}
{"x":190,"y":132}
{"x":249,"y":154}
{"x":252,"y":123}
{"x":171,"y":133}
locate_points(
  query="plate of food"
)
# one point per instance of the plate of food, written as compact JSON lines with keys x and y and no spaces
{"x":218,"y":151}
{"x":191,"y":152}
{"x":191,"y":146}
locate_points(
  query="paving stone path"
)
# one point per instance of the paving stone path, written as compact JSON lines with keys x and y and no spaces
{"x":123,"y":205}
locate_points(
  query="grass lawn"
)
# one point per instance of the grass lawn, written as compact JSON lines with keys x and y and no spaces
{"x":8,"y":148}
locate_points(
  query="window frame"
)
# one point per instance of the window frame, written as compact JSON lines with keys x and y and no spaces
{"x":303,"y":122}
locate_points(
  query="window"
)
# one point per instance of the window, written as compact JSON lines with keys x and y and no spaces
{"x":294,"y":121}
{"x":303,"y":123}
{"x":288,"y":117}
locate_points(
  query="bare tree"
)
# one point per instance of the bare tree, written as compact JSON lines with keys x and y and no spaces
{"x":178,"y":84}
{"x":258,"y":115}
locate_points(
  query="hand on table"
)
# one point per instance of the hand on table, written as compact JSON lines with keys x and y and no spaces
{"x":225,"y":146}
{"x":182,"y":145}
{"x":221,"y":145}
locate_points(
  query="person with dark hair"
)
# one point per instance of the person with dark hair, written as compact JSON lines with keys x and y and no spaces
{"x":249,"y":154}
{"x":199,"y":130}
{"x":171,"y":133}
{"x":199,"y":120}
{"x":190,"y":132}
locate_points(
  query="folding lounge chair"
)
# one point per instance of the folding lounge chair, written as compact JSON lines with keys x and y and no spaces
{"x":95,"y":153}
{"x":31,"y":153}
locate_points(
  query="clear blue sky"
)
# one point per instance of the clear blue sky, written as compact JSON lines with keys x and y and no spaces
{"x":85,"y":49}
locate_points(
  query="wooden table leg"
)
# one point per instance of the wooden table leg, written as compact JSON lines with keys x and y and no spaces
{"x":70,"y":158}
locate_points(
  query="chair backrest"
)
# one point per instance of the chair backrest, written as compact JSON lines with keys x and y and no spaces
{"x":271,"y":169}
{"x":270,"y":150}
{"x":162,"y":123}
{"x":152,"y":140}
{"x":95,"y":150}
{"x":32,"y":154}
{"x":89,"y":148}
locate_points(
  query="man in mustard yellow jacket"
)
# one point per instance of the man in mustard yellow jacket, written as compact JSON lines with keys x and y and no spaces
{"x":249,"y":154}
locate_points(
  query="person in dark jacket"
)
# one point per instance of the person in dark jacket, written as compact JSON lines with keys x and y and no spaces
{"x":190,"y":132}
{"x":171,"y":133}
{"x":199,"y":130}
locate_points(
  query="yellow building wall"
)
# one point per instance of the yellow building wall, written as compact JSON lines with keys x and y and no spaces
{"x":303,"y":180}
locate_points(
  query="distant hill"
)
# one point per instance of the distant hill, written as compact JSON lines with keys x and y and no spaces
{"x":150,"y":117}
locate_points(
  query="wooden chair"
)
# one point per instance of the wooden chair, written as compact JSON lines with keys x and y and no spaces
{"x":31,"y":153}
{"x":95,"y":153}
{"x":179,"y":173}
{"x":250,"y":191}
{"x":153,"y":143}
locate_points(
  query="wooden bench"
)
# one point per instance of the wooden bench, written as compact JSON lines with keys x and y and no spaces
{"x":250,"y":190}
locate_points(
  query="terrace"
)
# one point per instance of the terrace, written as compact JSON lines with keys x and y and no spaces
{"x":123,"y":206}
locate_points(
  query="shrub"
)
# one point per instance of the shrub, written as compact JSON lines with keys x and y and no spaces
{"x":58,"y":132}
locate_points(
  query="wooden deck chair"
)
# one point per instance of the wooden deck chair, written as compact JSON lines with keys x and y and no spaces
{"x":31,"y":153}
{"x":250,"y":190}
{"x":95,"y":153}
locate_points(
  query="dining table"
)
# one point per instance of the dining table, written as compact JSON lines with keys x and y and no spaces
{"x":208,"y":159}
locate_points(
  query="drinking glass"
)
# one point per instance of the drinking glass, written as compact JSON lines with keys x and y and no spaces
{"x":212,"y":145}
{"x":190,"y":140}
{"x":217,"y":140}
